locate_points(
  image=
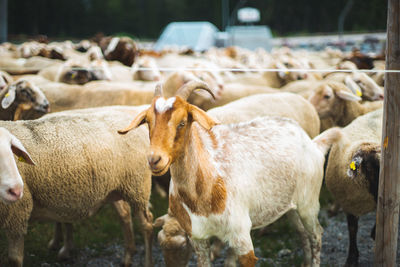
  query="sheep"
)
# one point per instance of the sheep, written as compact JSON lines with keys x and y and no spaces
{"x":151,"y":72}
{"x":26,"y":66}
{"x":11,"y":184}
{"x":338,"y":106}
{"x":352,"y":172}
{"x":80,"y":167}
{"x":95,"y":94}
{"x":283,"y":104}
{"x":222,"y":191}
{"x":122,"y":49}
{"x":77,"y":72}
{"x":176,"y":247}
{"x":370,"y":90}
{"x":175,"y":80}
{"x":174,"y":242}
{"x":22,"y":100}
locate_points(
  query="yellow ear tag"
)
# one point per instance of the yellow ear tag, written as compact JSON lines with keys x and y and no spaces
{"x":353,"y":165}
{"x":286,"y":72}
{"x":359,"y":93}
{"x":73,"y":75}
{"x":7,"y":95}
{"x":21,"y":159}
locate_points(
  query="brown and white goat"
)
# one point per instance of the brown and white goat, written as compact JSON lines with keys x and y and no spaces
{"x":229,"y":179}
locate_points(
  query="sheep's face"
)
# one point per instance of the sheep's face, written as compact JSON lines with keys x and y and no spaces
{"x":77,"y":75}
{"x":27,"y":96}
{"x":288,"y":76}
{"x":169,"y":122}
{"x":323,"y":99}
{"x":369,"y":88}
{"x":11,"y":183}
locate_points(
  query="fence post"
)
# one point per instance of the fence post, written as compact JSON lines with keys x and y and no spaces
{"x":387,"y":215}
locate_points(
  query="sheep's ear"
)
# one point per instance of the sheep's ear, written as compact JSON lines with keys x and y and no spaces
{"x":9,"y":97}
{"x":353,"y":86}
{"x":354,"y":166}
{"x":139,"y":120}
{"x":347,"y":96}
{"x":19,"y":150}
{"x":201,"y":117}
{"x":283,"y":73}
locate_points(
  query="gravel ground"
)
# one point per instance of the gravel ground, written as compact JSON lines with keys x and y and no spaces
{"x":334,"y":249}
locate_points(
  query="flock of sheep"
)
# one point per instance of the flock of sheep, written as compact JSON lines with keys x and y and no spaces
{"x":238,"y":148}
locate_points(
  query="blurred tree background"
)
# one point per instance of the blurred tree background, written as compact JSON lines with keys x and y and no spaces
{"x":145,"y":19}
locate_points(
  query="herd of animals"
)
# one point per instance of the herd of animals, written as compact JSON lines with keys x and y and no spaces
{"x":236,"y":149}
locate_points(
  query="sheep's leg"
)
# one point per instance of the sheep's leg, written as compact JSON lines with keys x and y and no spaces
{"x":124,"y":213}
{"x":216,"y":248}
{"x":146,"y":220}
{"x":309,"y":218}
{"x":230,"y":260}
{"x":55,"y":243}
{"x":373,"y":231}
{"x":296,"y":221}
{"x":16,"y":250}
{"x":202,"y":249}
{"x":65,"y":251}
{"x":352,"y":225}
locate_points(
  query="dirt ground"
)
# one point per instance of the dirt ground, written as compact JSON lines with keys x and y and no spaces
{"x":334,"y":249}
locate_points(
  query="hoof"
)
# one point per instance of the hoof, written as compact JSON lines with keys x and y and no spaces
{"x":64,"y":253}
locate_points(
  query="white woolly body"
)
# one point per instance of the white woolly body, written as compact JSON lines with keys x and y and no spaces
{"x":269,"y":166}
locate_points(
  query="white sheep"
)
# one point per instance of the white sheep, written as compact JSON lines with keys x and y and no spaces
{"x":338,"y":106}
{"x":286,"y":105}
{"x":81,"y":165}
{"x":11,"y":184}
{"x":240,"y":177}
{"x":352,"y":172}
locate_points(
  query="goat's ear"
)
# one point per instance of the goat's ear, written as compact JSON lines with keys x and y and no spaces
{"x":9,"y":97}
{"x":139,"y":120}
{"x":347,"y":96}
{"x":19,"y":150}
{"x":201,"y":117}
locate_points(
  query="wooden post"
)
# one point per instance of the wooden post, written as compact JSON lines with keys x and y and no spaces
{"x":3,"y":21}
{"x":387,"y":215}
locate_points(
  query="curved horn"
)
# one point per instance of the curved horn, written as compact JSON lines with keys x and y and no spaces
{"x":186,"y":89}
{"x":159,"y":90}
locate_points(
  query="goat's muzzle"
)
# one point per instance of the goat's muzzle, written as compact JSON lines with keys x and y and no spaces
{"x":158,"y":164}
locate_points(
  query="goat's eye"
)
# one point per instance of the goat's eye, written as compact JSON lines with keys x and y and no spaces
{"x":327,"y":96}
{"x":181,"y":124}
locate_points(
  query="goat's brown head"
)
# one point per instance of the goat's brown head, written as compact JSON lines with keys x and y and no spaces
{"x":169,"y":121}
{"x":26,"y":97}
